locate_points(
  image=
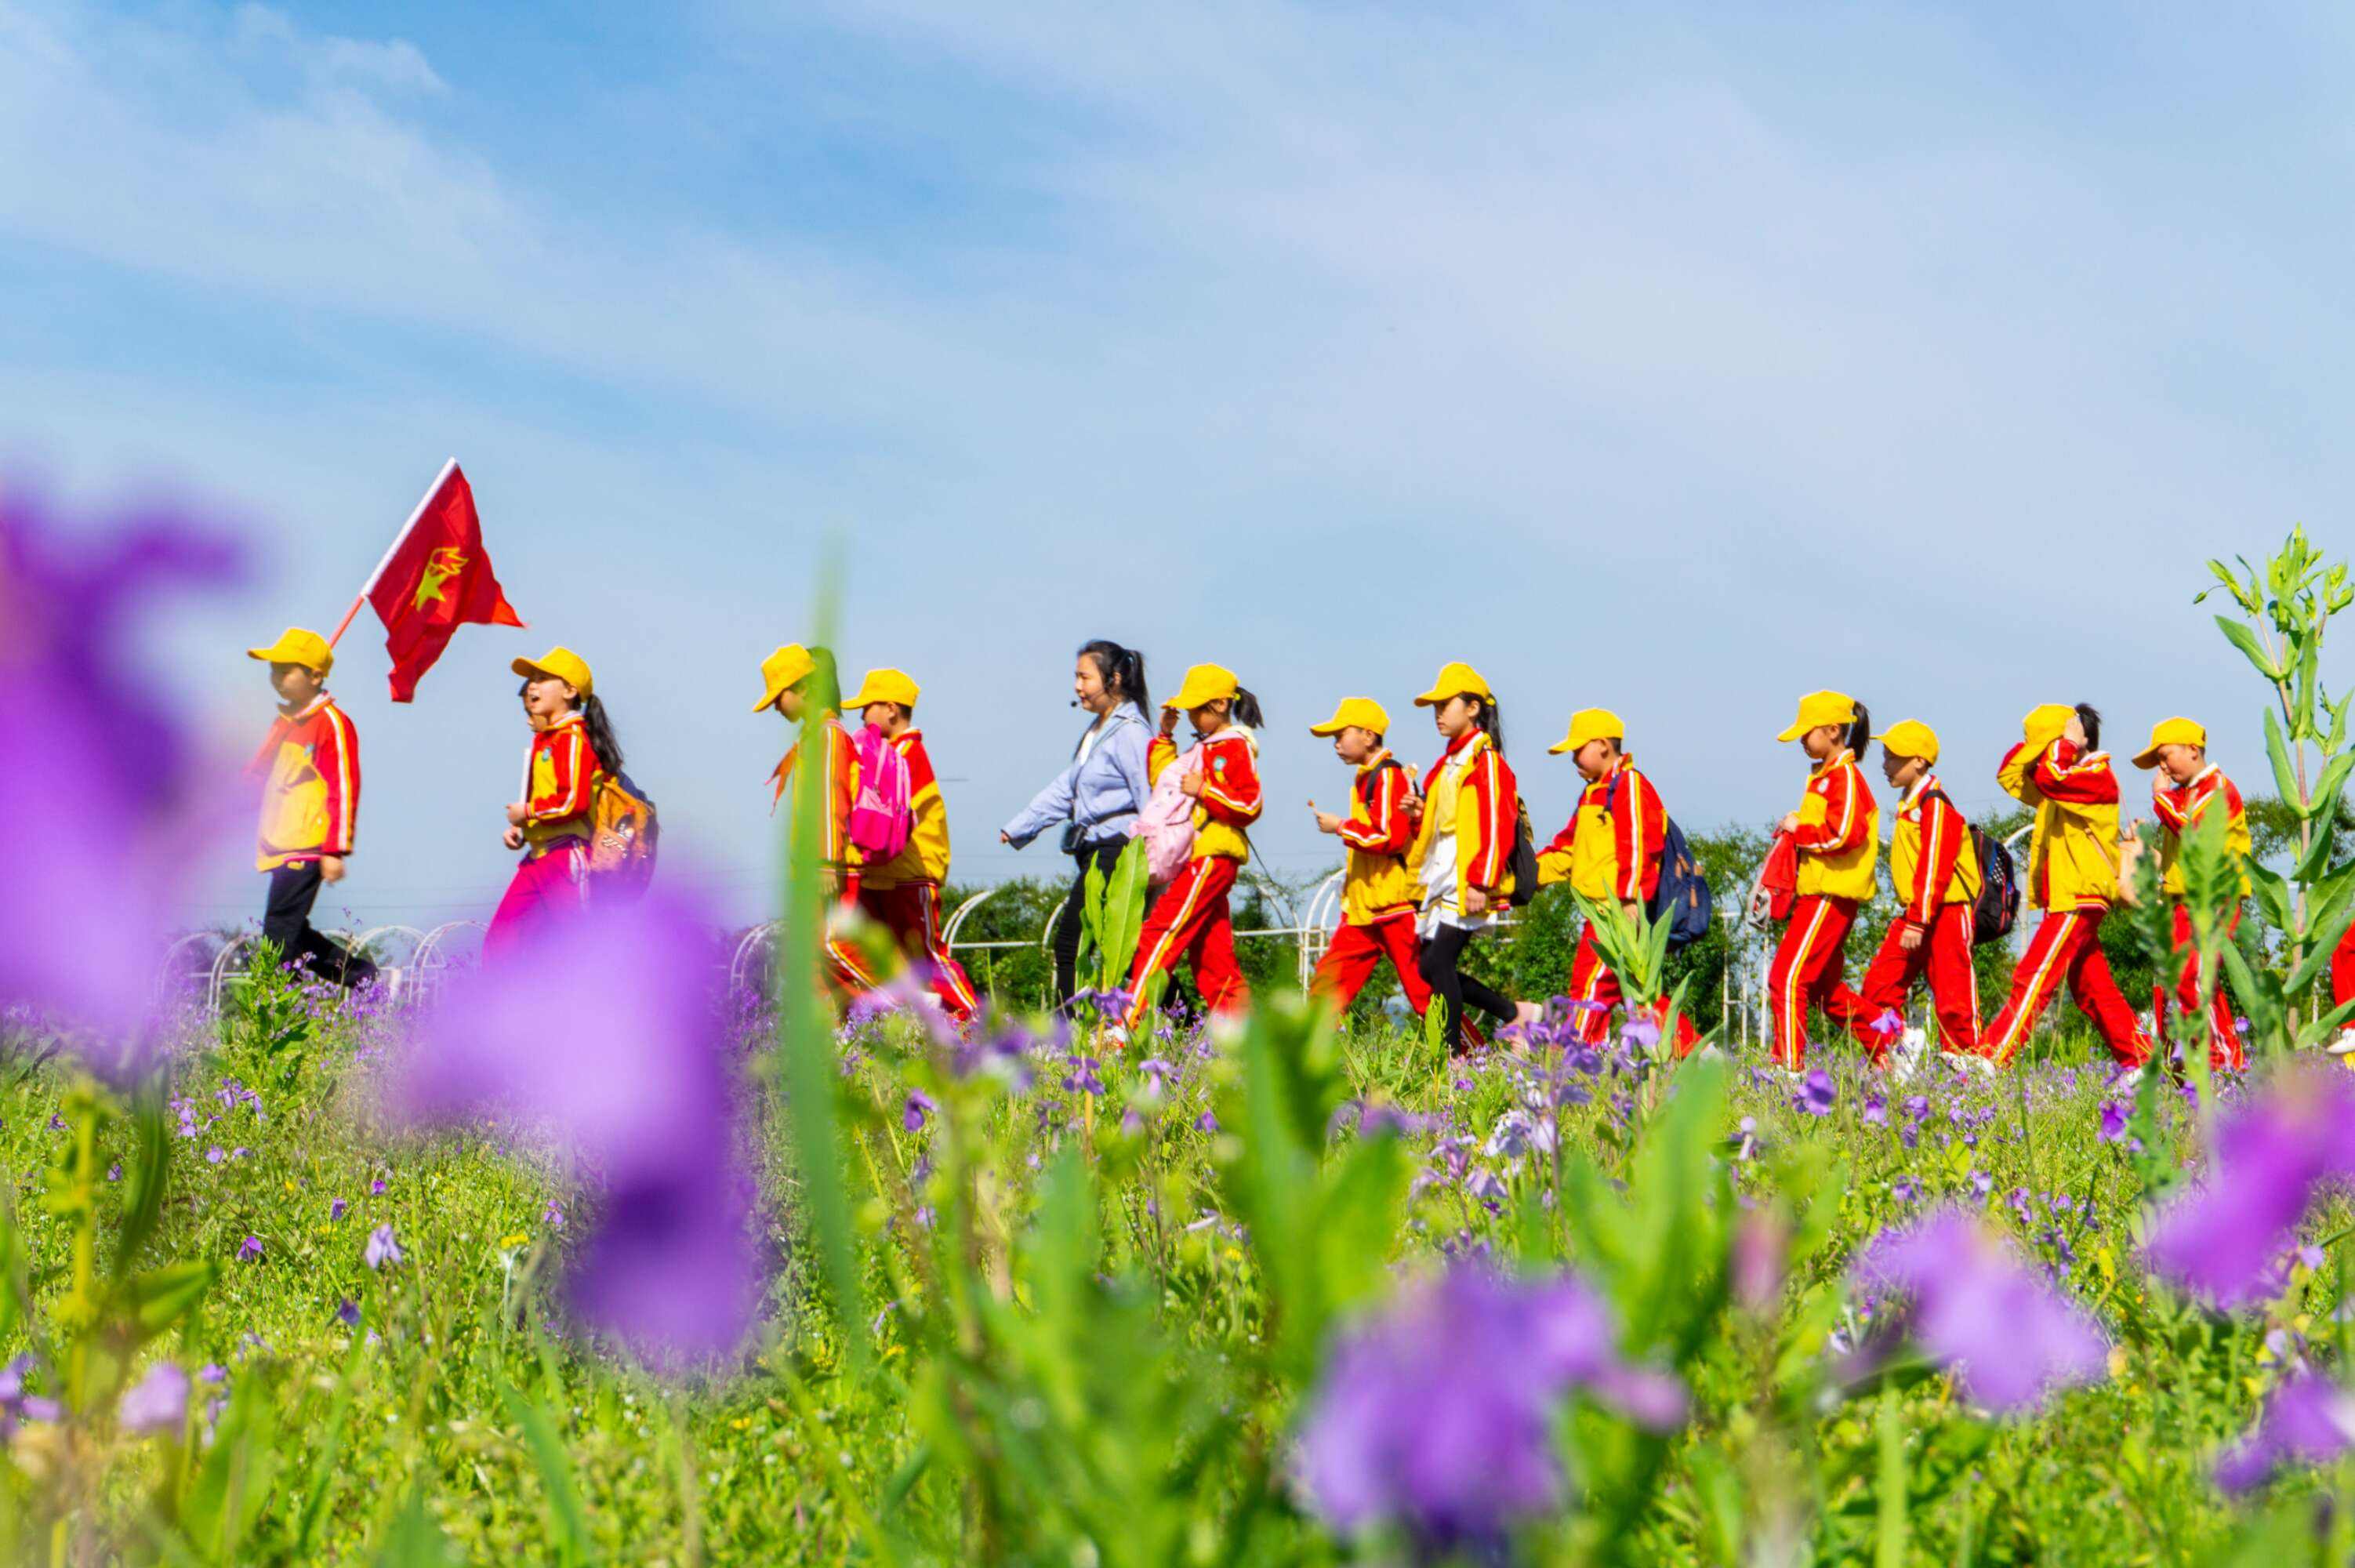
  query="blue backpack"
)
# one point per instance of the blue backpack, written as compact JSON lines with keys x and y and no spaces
{"x":1683,"y":898}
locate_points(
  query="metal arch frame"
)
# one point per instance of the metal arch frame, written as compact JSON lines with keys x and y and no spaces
{"x":360,"y":943}
{"x":957,"y":917}
{"x":1316,"y":931}
{"x":759,"y":937}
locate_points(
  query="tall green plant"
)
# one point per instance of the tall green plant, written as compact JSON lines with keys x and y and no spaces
{"x":2285,"y":610}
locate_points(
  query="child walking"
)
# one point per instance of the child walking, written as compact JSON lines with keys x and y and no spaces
{"x":571,"y":744}
{"x":2184,"y":786}
{"x":1934,"y":869}
{"x":2061,"y":774}
{"x":800,"y":684}
{"x":309,"y":767}
{"x":1191,"y":919}
{"x":1461,"y":860}
{"x":1609,"y":851}
{"x":1378,"y":903}
{"x":1837,"y":832}
{"x":903,"y":893}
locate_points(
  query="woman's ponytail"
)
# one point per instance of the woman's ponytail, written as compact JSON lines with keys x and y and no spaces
{"x":1491,"y":723}
{"x":1244,"y":709}
{"x":1860,"y":732}
{"x":600,"y":730}
{"x":1122,"y":670}
{"x":2091,"y":717}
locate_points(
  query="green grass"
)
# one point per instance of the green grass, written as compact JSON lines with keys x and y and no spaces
{"x":1129,"y":1401}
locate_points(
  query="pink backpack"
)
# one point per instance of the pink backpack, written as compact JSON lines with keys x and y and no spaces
{"x":1166,"y":822}
{"x":880,"y":816}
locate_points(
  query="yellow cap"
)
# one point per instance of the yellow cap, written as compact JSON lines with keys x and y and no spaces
{"x":1204,"y":683}
{"x":295,"y":645}
{"x":2044,"y":723}
{"x":2171,"y":733}
{"x":1362,"y":711}
{"x":1591,"y":724}
{"x":563,"y":664}
{"x":1456,"y":680}
{"x":782,"y":671}
{"x":1910,"y":738}
{"x":1818,"y":709}
{"x":884,"y":685}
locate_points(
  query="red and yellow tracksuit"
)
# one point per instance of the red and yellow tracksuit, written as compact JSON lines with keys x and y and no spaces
{"x":2073,"y":876}
{"x":1378,"y":901}
{"x":1935,"y":869}
{"x":1609,"y":851}
{"x":904,"y":893}
{"x":2178,"y":806}
{"x":1472,"y":798}
{"x":310,"y":768}
{"x":1838,"y":842}
{"x":559,"y":788}
{"x":1190,"y":919}
{"x":847,"y":972}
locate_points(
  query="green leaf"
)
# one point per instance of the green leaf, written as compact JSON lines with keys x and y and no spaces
{"x":2285,"y":772}
{"x":2321,"y":943}
{"x":414,"y":1541}
{"x":161,"y":1298}
{"x":567,"y":1524}
{"x":2324,"y":808}
{"x":2243,"y":638}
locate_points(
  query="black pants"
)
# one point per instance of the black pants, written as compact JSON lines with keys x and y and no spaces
{"x":287,"y":921}
{"x":1441,"y":953}
{"x":1072,"y":920}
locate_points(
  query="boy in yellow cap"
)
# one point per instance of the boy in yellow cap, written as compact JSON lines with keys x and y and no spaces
{"x":903,"y":893}
{"x":1934,"y":869}
{"x":573,"y":744}
{"x":1837,"y":831}
{"x":2059,"y":772}
{"x":799,"y":683}
{"x":1608,"y":852}
{"x":309,"y":767}
{"x":1378,"y":903}
{"x":2184,"y":786}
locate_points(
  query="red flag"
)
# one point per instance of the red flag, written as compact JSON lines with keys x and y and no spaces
{"x":436,"y":579}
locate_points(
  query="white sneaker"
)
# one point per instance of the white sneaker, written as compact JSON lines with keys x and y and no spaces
{"x":2344,"y":1045}
{"x":1967,"y":1062}
{"x":1905,"y":1057}
{"x":2126,"y":1081}
{"x":392,"y":979}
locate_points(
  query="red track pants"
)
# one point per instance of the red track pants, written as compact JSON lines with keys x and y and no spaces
{"x":912,"y":911}
{"x":1190,"y":920}
{"x":1359,"y":949}
{"x":2224,"y":1052}
{"x":546,"y":888}
{"x":1945,"y":955}
{"x":1807,"y":970}
{"x":1591,"y":980}
{"x":2067,"y":946}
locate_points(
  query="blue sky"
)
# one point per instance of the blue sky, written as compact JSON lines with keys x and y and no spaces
{"x":1679,"y":362}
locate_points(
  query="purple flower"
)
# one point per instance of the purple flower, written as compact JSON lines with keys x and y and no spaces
{"x":2308,"y":1420}
{"x":1206,"y":1123}
{"x":86,"y":901}
{"x":552,"y":1216}
{"x":249,"y":1250}
{"x":157,"y":1403}
{"x":349,"y":1314}
{"x":1817,"y":1094}
{"x":336,"y":1210}
{"x":1889,"y":1022}
{"x":603,"y":1039}
{"x":1875,"y":1113}
{"x":2114,"y":1121}
{"x":1641,"y":1035}
{"x":920,"y":1108}
{"x":2000,"y":1328}
{"x":2221,"y":1241}
{"x":376,"y":1188}
{"x":381,"y":1248}
{"x":1437,"y":1414}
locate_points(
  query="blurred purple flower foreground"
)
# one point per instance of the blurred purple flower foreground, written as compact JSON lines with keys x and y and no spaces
{"x":1437,"y":1415}
{"x":2223,"y":1241}
{"x":2006,"y":1335}
{"x":2309,"y":1420}
{"x":99,"y":781}
{"x":603,"y":1037}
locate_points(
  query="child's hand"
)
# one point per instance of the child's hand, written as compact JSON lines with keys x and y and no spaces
{"x":1910,"y":937}
{"x":1326,"y":821}
{"x":1190,"y":786}
{"x":516,"y":812}
{"x":1475,"y":900}
{"x":1168,"y":722}
{"x":1790,"y":823}
{"x":512,"y":837}
{"x":331,"y":868}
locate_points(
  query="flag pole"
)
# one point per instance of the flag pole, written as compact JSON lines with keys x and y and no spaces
{"x":399,"y":538}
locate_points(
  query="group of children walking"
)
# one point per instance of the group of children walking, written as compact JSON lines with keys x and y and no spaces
{"x":1434,"y":856}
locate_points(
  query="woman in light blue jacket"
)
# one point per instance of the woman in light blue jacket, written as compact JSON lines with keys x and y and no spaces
{"x":1093,"y":800}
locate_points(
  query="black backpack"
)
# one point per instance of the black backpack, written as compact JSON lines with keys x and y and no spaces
{"x":1996,"y":909}
{"x":1523,"y":863}
{"x":1682,"y":897}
